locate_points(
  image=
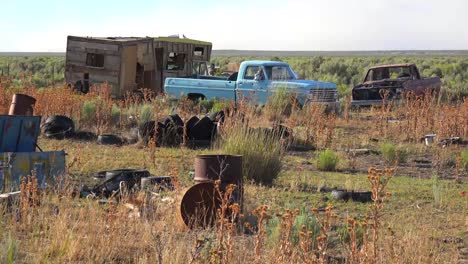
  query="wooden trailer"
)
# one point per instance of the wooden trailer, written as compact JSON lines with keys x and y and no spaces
{"x":131,"y":63}
{"x":124,"y":63}
{"x":180,"y":57}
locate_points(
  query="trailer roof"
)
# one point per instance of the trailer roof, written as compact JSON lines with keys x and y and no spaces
{"x":183,"y":40}
{"x":111,"y":40}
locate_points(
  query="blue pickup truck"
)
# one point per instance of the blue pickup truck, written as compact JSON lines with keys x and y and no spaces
{"x":256,"y":81}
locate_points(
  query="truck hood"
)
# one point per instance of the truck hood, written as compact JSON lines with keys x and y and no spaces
{"x":306,"y":84}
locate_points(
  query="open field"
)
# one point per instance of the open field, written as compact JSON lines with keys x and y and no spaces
{"x":345,"y":68}
{"x":421,"y":216}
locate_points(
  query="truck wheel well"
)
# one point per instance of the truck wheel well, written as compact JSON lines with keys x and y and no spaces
{"x":195,"y":96}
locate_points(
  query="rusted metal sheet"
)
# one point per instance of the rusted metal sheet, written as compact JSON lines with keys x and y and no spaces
{"x":19,"y":133}
{"x":15,"y":165}
{"x":18,"y":141}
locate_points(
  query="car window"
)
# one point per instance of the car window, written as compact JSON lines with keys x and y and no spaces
{"x":278,"y":73}
{"x":250,"y":72}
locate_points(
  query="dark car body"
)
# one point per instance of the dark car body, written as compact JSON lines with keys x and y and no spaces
{"x":391,"y":82}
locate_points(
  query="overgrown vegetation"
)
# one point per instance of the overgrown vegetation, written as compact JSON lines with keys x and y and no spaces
{"x":290,"y":217}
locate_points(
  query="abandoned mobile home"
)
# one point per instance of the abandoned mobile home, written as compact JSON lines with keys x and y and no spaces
{"x":131,"y":63}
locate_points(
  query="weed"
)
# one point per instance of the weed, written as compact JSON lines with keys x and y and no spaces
{"x":262,"y":152}
{"x":393,"y":154}
{"x":327,"y":160}
{"x":146,"y":113}
{"x":89,"y":111}
{"x":464,"y":159}
{"x":280,"y":104}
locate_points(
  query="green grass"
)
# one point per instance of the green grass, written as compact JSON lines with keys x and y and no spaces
{"x":146,"y":113}
{"x":464,"y":159}
{"x":392,"y":153}
{"x":88,"y":111}
{"x":262,"y":152}
{"x":327,"y":160}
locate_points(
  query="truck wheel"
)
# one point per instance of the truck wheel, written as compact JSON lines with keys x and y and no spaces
{"x":196,"y":97}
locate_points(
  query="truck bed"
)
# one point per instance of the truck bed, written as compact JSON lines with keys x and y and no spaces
{"x":210,"y":88}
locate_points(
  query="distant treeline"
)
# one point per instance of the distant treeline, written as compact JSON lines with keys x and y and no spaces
{"x":346,"y":71}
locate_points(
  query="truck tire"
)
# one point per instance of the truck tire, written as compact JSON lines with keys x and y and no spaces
{"x":196,"y":97}
{"x":58,"y":127}
{"x":109,"y":139}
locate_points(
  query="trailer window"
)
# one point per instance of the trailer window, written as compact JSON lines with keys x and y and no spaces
{"x":95,"y":60}
{"x":175,"y":61}
{"x":198,"y":51}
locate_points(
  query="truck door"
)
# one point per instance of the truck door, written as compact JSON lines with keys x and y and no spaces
{"x":251,"y":88}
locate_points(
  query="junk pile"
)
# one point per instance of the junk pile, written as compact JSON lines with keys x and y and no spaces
{"x":201,"y":201}
{"x":172,"y":131}
{"x":444,"y":142}
{"x":18,"y":142}
{"x":115,"y":182}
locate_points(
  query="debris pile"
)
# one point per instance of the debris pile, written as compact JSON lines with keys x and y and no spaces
{"x":173,"y":130}
{"x":115,"y":182}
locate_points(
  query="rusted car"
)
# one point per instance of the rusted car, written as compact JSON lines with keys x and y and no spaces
{"x":391,"y":82}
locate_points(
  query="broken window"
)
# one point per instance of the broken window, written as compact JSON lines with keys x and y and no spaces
{"x":389,"y":73}
{"x":95,"y":60}
{"x":198,"y":51}
{"x":175,"y":61}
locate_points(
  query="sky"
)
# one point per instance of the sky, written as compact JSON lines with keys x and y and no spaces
{"x":43,"y":25}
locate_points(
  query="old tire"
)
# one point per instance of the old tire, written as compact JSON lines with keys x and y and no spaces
{"x":362,"y":197}
{"x":58,"y":127}
{"x":109,"y":139}
{"x":340,"y":195}
{"x":202,"y":130}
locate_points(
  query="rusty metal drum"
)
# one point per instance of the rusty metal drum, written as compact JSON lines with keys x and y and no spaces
{"x":22,"y":104}
{"x":227,"y":168}
{"x":200,"y":202}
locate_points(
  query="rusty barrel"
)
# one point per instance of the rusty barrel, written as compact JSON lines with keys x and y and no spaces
{"x":227,"y":168}
{"x":200,"y":202}
{"x":22,"y":104}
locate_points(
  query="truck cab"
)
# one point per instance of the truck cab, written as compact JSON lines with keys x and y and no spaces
{"x":256,"y":81}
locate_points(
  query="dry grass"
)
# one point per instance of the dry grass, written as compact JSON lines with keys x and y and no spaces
{"x":422,"y":221}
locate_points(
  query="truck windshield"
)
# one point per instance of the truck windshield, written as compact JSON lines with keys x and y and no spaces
{"x":278,"y":73}
{"x":388,"y":73}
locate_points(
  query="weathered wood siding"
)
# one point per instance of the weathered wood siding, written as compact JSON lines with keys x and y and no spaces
{"x":127,"y":70}
{"x":76,"y":67}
